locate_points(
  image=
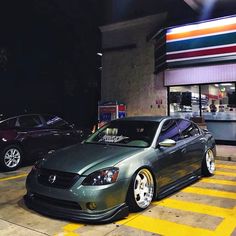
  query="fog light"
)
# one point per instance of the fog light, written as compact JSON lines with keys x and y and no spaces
{"x":91,"y":205}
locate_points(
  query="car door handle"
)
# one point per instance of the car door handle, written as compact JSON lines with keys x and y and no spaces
{"x":183,"y":150}
{"x":55,"y":133}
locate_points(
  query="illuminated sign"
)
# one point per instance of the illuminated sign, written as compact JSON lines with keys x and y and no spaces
{"x":202,"y":43}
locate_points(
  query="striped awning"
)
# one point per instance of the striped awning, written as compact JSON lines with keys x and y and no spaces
{"x":205,"y":42}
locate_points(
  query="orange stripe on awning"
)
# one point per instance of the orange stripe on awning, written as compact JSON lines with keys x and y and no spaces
{"x":200,"y":32}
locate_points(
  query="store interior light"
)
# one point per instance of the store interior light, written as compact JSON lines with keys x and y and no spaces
{"x":226,"y":84}
{"x":216,"y":85}
{"x":99,"y":54}
{"x":232,"y":88}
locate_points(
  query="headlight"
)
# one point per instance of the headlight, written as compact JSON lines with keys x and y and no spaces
{"x":102,"y":177}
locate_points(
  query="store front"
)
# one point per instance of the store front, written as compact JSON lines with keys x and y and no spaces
{"x":199,"y":67}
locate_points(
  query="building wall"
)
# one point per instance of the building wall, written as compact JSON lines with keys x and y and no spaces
{"x":128,"y":66}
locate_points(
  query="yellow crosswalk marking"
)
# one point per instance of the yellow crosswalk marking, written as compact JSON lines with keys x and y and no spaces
{"x":232,"y":174}
{"x":218,"y":181}
{"x":13,"y":177}
{"x":165,"y":227}
{"x":227,"y":226}
{"x":68,"y":230}
{"x":195,"y":207}
{"x":210,"y":192}
{"x":232,"y":167}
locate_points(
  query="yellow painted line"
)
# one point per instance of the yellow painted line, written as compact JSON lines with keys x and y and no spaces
{"x":233,"y":167}
{"x":210,"y":192}
{"x":218,"y":181}
{"x":67,"y":234}
{"x":130,"y":217}
{"x":72,"y":227}
{"x":232,"y":174}
{"x":226,"y":227}
{"x":13,"y":177}
{"x":68,"y":230}
{"x":196,"y":207}
{"x":165,"y":227}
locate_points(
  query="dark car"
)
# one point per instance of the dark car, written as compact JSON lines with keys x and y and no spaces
{"x":31,"y":136}
{"x":120,"y":168}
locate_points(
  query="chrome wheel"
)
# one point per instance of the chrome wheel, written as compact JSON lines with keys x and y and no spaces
{"x":143,"y":188}
{"x":210,"y":161}
{"x":12,"y":157}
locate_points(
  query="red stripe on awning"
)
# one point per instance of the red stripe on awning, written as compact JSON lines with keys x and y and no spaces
{"x":206,"y":52}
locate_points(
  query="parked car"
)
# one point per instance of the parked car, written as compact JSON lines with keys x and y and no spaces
{"x":120,"y":168}
{"x":31,"y":136}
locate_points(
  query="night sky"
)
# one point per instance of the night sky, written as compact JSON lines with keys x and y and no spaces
{"x":48,"y":61}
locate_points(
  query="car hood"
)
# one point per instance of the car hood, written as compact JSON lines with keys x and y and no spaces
{"x":82,"y":157}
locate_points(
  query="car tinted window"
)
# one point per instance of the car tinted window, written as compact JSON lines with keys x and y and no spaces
{"x":54,"y":121}
{"x":10,"y":123}
{"x":30,"y":121}
{"x":126,"y":133}
{"x":187,"y":128}
{"x":169,"y":130}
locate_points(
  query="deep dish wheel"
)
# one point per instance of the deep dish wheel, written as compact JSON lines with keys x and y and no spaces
{"x":208,"y":164}
{"x":141,"y":190}
{"x":11,"y":158}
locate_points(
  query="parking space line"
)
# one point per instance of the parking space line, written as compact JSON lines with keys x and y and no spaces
{"x":232,"y":174}
{"x":195,"y":207}
{"x":13,"y":177}
{"x":226,"y":166}
{"x":165,"y":227}
{"x":226,"y":227}
{"x":68,"y":230}
{"x":219,"y":181}
{"x":210,"y":192}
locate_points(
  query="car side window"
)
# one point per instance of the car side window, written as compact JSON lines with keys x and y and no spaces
{"x":30,"y":121}
{"x":54,"y":121}
{"x":10,"y":123}
{"x":187,"y":129}
{"x":169,"y":130}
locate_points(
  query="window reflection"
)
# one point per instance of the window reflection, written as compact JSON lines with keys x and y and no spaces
{"x":220,"y":101}
{"x":184,"y":101}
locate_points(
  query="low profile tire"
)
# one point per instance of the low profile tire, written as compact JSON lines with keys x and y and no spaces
{"x":141,"y":190}
{"x":11,"y":158}
{"x":208,"y":163}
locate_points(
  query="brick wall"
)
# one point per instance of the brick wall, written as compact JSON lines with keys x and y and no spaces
{"x":128,"y":66}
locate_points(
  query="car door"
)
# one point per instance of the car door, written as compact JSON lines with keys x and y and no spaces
{"x":62,"y":134}
{"x":195,"y":144}
{"x":170,"y":160}
{"x":33,"y":135}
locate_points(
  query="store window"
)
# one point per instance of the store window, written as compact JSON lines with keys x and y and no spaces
{"x":220,"y":101}
{"x":184,"y":101}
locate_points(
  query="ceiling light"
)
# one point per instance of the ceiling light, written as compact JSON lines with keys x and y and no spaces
{"x":226,"y":84}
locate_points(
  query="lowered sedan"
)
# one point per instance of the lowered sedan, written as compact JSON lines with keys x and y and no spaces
{"x":121,"y":168}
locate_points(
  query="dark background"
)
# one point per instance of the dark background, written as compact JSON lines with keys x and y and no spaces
{"x":48,"y":51}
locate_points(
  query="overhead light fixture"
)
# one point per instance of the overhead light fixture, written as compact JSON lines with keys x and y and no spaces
{"x":233,"y":88}
{"x":216,"y":85}
{"x":99,"y":54}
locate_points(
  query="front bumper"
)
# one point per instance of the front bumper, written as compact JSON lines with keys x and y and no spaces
{"x":38,"y":204}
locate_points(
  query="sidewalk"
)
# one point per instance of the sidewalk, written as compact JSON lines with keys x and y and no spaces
{"x":226,"y":153}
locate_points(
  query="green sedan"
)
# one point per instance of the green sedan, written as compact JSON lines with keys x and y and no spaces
{"x":122,"y":167}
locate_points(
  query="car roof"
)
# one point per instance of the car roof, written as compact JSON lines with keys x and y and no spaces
{"x":147,"y":118}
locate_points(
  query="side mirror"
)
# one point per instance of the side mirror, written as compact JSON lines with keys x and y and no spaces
{"x":167,"y":143}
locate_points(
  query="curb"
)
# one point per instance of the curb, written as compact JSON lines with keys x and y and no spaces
{"x":225,"y":158}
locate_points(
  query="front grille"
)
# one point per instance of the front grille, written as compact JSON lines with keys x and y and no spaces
{"x":56,"y":202}
{"x":56,"y":179}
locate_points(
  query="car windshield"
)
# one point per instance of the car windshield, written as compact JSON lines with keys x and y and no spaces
{"x":125,"y":133}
